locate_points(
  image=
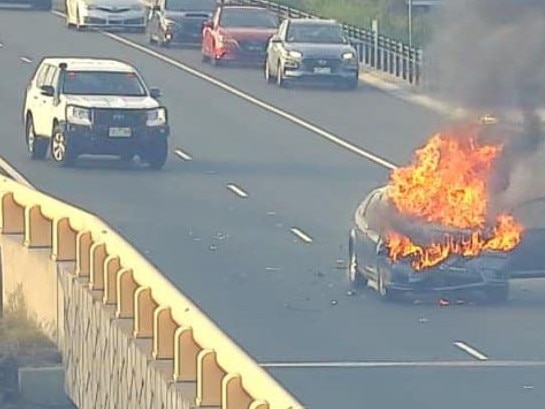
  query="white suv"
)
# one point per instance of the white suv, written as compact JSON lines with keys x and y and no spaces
{"x":81,"y":106}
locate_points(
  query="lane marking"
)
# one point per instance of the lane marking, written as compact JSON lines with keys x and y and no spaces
{"x":237,"y":190}
{"x":398,"y":364}
{"x":27,"y":60}
{"x":253,"y":100}
{"x":302,"y":235}
{"x":471,"y":351}
{"x":183,"y":155}
{"x":12,"y":173}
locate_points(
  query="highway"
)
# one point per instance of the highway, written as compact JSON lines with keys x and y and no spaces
{"x":281,"y":298}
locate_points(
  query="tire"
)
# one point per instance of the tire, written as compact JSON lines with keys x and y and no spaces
{"x":156,"y":154}
{"x":352,"y":84}
{"x":36,"y":145}
{"x":126,"y":157}
{"x":267,"y":73}
{"x":205,"y":58}
{"x":355,"y":279}
{"x":62,"y":151}
{"x":497,"y":294}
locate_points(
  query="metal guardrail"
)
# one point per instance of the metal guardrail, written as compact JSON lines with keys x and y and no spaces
{"x":374,"y":50}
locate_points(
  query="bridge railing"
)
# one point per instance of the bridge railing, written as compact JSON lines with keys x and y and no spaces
{"x":199,"y":351}
{"x":375,"y":51}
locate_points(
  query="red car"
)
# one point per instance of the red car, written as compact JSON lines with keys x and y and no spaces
{"x":238,"y":33}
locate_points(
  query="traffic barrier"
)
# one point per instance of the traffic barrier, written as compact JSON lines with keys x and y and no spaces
{"x":115,"y":316}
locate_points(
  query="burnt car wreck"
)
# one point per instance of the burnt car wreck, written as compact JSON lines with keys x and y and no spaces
{"x":466,"y":215}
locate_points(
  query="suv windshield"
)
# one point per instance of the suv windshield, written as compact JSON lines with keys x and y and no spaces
{"x":190,"y":5}
{"x":249,"y":18}
{"x":316,"y":33}
{"x":103,"y":83}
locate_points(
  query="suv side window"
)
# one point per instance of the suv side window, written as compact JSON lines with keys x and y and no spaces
{"x":51,"y":77}
{"x":40,"y":75}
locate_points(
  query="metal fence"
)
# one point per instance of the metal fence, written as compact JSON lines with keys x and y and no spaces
{"x":374,"y":50}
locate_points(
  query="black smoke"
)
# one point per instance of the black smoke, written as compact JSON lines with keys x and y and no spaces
{"x":489,"y":56}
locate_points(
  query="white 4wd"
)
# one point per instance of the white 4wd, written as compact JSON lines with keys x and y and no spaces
{"x":80,"y":106}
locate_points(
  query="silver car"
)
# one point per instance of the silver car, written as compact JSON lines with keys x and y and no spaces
{"x":313,"y":51}
{"x":128,"y":15}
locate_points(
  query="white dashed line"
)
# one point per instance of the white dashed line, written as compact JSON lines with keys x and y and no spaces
{"x":183,"y":155}
{"x":237,"y":190}
{"x":12,"y":173}
{"x":394,"y":364}
{"x":302,"y":235}
{"x":253,"y":100}
{"x":471,"y":351}
{"x":27,"y":60}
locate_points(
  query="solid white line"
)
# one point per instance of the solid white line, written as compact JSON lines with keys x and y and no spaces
{"x":393,"y":364}
{"x":226,"y":87}
{"x":26,"y":59}
{"x":182,"y":155}
{"x":471,"y":351}
{"x":237,"y":190}
{"x":11,"y":172}
{"x":303,"y":236}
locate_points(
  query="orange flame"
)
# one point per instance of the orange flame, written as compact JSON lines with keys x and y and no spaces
{"x":447,"y":184}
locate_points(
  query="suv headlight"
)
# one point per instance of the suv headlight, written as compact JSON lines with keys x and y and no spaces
{"x":157,"y":117}
{"x":78,"y":116}
{"x":349,"y":56}
{"x":295,"y":54}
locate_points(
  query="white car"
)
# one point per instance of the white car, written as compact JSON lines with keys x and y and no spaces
{"x":93,"y":106}
{"x":106,"y":14}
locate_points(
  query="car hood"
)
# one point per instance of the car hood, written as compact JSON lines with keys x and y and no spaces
{"x":248,"y":33}
{"x":113,"y":4}
{"x":320,"y":50}
{"x":180,"y":16}
{"x":105,"y":101}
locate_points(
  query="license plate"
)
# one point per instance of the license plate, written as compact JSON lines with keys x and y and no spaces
{"x":119,"y":132}
{"x":322,"y":70}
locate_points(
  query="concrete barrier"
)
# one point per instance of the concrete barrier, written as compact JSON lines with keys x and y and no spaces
{"x":129,"y":338}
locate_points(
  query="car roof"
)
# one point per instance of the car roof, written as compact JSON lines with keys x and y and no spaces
{"x":310,"y":21}
{"x":88,"y":64}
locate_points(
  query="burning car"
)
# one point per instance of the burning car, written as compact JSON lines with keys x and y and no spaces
{"x":435,"y":227}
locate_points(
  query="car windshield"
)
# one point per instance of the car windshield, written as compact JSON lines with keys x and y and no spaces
{"x":103,"y":83}
{"x":316,"y":33}
{"x":249,"y":18}
{"x":190,"y":5}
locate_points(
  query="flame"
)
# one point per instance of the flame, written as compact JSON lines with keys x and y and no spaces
{"x":447,"y":184}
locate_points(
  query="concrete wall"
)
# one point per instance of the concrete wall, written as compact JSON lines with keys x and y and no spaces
{"x":129,"y":338}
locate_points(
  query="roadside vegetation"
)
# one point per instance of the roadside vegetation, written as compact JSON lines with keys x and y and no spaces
{"x":392,"y":15}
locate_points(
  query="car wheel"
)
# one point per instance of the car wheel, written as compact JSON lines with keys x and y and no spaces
{"x":268,"y":76}
{"x":205,"y":58}
{"x":36,"y":145}
{"x":62,"y":151}
{"x":156,"y":154}
{"x":497,"y":294}
{"x":126,"y":157}
{"x":355,"y":279}
{"x":352,"y":84}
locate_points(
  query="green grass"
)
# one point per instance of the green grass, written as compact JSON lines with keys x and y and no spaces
{"x":392,"y":16}
{"x":18,"y":329}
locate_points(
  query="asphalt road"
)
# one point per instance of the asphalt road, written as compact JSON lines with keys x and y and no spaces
{"x":282,"y":299}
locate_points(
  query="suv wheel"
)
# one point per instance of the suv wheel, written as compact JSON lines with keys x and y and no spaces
{"x":156,"y":154}
{"x":61,"y":150}
{"x":355,"y":279}
{"x":36,"y":145}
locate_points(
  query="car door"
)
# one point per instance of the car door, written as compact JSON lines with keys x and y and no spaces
{"x":41,"y":102}
{"x":274,"y":47}
{"x":370,"y":236}
{"x":154,"y":19}
{"x":32,"y":92}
